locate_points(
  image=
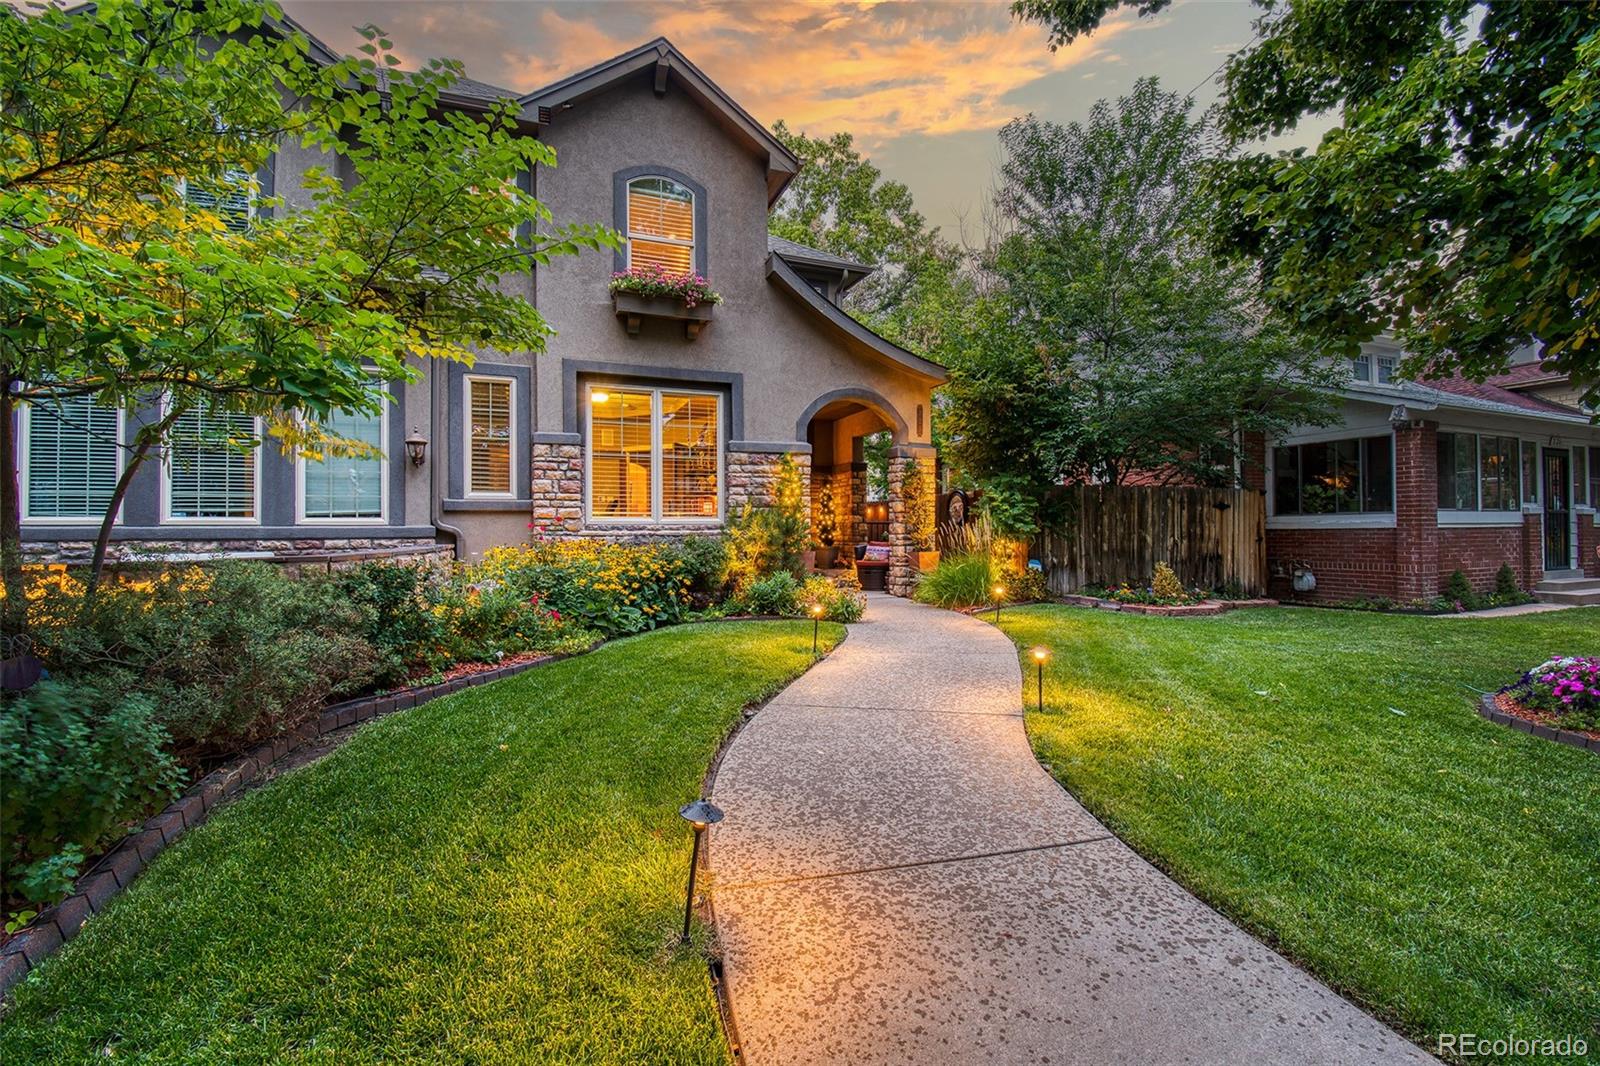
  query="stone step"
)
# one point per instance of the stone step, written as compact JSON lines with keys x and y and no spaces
{"x":1568,"y":581}
{"x":1573,"y":598}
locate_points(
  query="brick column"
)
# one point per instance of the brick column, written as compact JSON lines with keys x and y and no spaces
{"x":1416,"y":511}
{"x":1532,"y":549}
{"x":902,"y":567}
{"x":857,"y":505}
{"x":557,"y":489}
{"x":1588,"y":545}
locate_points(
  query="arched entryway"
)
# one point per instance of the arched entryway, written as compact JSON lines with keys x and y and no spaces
{"x":843,"y":517}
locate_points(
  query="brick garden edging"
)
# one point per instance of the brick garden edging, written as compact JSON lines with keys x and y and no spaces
{"x":118,"y":867}
{"x":1487,"y":708}
{"x":1190,"y":610}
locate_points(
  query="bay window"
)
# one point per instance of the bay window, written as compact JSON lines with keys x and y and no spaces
{"x":1351,"y":476}
{"x":348,"y":487}
{"x":490,"y":435}
{"x":660,"y":225}
{"x":71,"y":459}
{"x":211,"y":464}
{"x":1478,"y":472}
{"x":653,"y":455}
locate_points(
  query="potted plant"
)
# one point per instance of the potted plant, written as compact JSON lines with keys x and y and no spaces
{"x":654,"y":292}
{"x":917,"y":495}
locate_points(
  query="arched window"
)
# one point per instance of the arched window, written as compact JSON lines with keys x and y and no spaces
{"x":661,"y":225}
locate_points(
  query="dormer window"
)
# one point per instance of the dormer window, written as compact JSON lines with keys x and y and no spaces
{"x":660,"y":225}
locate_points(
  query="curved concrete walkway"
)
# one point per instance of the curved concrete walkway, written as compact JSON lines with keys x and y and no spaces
{"x":899,"y":881}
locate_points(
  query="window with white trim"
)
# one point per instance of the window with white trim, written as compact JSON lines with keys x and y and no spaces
{"x":491,"y":423}
{"x":232,"y":198}
{"x":661,"y":225}
{"x":211,"y":466}
{"x":1530,"y":472}
{"x":1351,"y":476}
{"x":1478,"y":472}
{"x":1594,"y":477}
{"x":353,"y":487}
{"x":1370,"y":367}
{"x":71,"y":459}
{"x":654,"y":455}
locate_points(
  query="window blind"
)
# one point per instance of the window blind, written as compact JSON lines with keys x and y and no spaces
{"x":73,"y":460}
{"x":620,"y":433}
{"x":660,"y":225}
{"x":688,"y":456}
{"x":229,"y":198}
{"x":489,"y":430}
{"x":211,"y":465}
{"x":347,"y":486}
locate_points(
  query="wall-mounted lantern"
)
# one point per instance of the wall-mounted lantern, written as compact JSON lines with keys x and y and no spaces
{"x":417,"y":447}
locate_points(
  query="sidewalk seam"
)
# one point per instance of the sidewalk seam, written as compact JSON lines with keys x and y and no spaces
{"x":914,"y":865}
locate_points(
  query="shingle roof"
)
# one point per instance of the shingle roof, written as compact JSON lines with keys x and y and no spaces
{"x":1492,"y":393}
{"x":796,"y":252}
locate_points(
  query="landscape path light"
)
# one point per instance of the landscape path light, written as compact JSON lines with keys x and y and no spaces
{"x":1041,"y":655}
{"x":816,"y":624}
{"x":701,"y":814}
{"x":999,"y":594}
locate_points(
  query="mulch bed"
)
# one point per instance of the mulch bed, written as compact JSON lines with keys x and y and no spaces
{"x":1506,"y":705}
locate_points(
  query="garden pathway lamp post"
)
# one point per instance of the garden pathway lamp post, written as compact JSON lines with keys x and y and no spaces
{"x":816,"y":624}
{"x":1041,"y":655}
{"x":700,"y":814}
{"x":999,"y":593}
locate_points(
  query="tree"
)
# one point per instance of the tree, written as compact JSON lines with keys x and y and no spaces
{"x":1110,"y":340}
{"x":840,"y":203}
{"x":1458,"y":201}
{"x":117,"y":282}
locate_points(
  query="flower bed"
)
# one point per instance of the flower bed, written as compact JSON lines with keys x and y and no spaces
{"x":1562,"y":693}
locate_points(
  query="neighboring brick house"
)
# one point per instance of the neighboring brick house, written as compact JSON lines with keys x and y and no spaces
{"x":1419,"y":480}
{"x":637,"y":422}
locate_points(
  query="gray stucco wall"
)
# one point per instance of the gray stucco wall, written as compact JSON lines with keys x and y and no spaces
{"x":783,"y":358}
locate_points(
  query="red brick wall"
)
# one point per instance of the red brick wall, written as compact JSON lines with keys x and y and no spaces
{"x":1348,"y":563}
{"x":1479,"y":551}
{"x":1416,"y":511}
{"x":1589,"y":545}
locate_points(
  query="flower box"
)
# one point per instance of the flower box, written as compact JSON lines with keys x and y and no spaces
{"x":633,"y":309}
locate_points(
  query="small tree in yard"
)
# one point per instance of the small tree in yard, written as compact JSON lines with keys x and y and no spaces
{"x":120,"y":283}
{"x":1110,"y":340}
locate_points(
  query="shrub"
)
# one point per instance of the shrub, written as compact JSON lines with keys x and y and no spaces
{"x":766,"y":540}
{"x":1459,"y":589}
{"x":777,"y":593}
{"x":1505,"y":582}
{"x":839,"y":604}
{"x":76,"y":761}
{"x":227,"y":656}
{"x":1165,"y":584}
{"x":1567,"y":687}
{"x":704,"y":561}
{"x":590,"y":584}
{"x":1026,"y":585}
{"x":399,"y":622}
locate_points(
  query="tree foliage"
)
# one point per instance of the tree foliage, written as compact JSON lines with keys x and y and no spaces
{"x":1110,"y":340}
{"x":1457,"y":203}
{"x":117,"y":285}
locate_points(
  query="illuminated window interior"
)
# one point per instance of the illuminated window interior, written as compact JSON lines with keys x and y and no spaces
{"x":660,"y":225}
{"x":654,"y":454}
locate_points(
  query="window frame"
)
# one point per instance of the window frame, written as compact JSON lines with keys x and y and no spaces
{"x":467,"y":490}
{"x":1361,"y":517}
{"x":382,"y":518}
{"x":1460,"y":515}
{"x":627,"y":221}
{"x":657,"y":487}
{"x":24,"y":469}
{"x":169,"y":519}
{"x":252,"y":195}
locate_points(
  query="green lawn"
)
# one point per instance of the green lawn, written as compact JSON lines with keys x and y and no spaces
{"x":493,"y":877}
{"x":1322,"y":778}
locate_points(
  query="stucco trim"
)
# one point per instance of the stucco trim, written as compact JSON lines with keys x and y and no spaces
{"x":771,"y":447}
{"x":497,"y":506}
{"x":668,"y":376}
{"x":912,"y":451}
{"x":455,"y":430}
{"x":558,"y":438}
{"x":619,"y":211}
{"x":779,"y":270}
{"x":859,"y":394}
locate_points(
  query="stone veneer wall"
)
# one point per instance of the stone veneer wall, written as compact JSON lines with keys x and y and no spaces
{"x":557,"y":489}
{"x":902,"y":580}
{"x":843,"y":526}
{"x":81,"y":553}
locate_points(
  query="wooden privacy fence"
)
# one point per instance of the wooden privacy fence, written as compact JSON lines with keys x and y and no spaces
{"x":1213,"y":538}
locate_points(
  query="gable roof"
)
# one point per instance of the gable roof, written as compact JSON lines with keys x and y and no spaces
{"x":805,"y":255}
{"x":854,"y":334}
{"x":660,"y":55}
{"x":1461,"y":395}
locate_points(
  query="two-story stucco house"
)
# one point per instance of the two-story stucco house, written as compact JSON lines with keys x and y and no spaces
{"x":633,"y":423}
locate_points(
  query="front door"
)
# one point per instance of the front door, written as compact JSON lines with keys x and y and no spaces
{"x":1557,"y":509}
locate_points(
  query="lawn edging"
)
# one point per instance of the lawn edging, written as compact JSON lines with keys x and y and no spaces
{"x":118,"y":868}
{"x":1489,"y":708}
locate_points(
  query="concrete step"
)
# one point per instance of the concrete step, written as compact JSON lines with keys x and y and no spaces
{"x":1569,"y":597}
{"x":1567,"y":581}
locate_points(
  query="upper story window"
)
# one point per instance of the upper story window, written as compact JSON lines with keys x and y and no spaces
{"x":233,"y":198}
{"x":1478,"y":473}
{"x":654,"y":454}
{"x":1369,"y":367}
{"x":661,"y":225}
{"x":211,"y":466}
{"x":1353,"y":476}
{"x":71,"y":459}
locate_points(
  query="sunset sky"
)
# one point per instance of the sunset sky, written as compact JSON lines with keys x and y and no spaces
{"x":923,"y":86}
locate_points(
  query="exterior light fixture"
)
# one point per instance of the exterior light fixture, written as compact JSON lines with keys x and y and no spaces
{"x":701,"y":814}
{"x":599,"y":396}
{"x":999,"y":594}
{"x":417,"y":447}
{"x":816,"y":624}
{"x":1041,"y":655}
